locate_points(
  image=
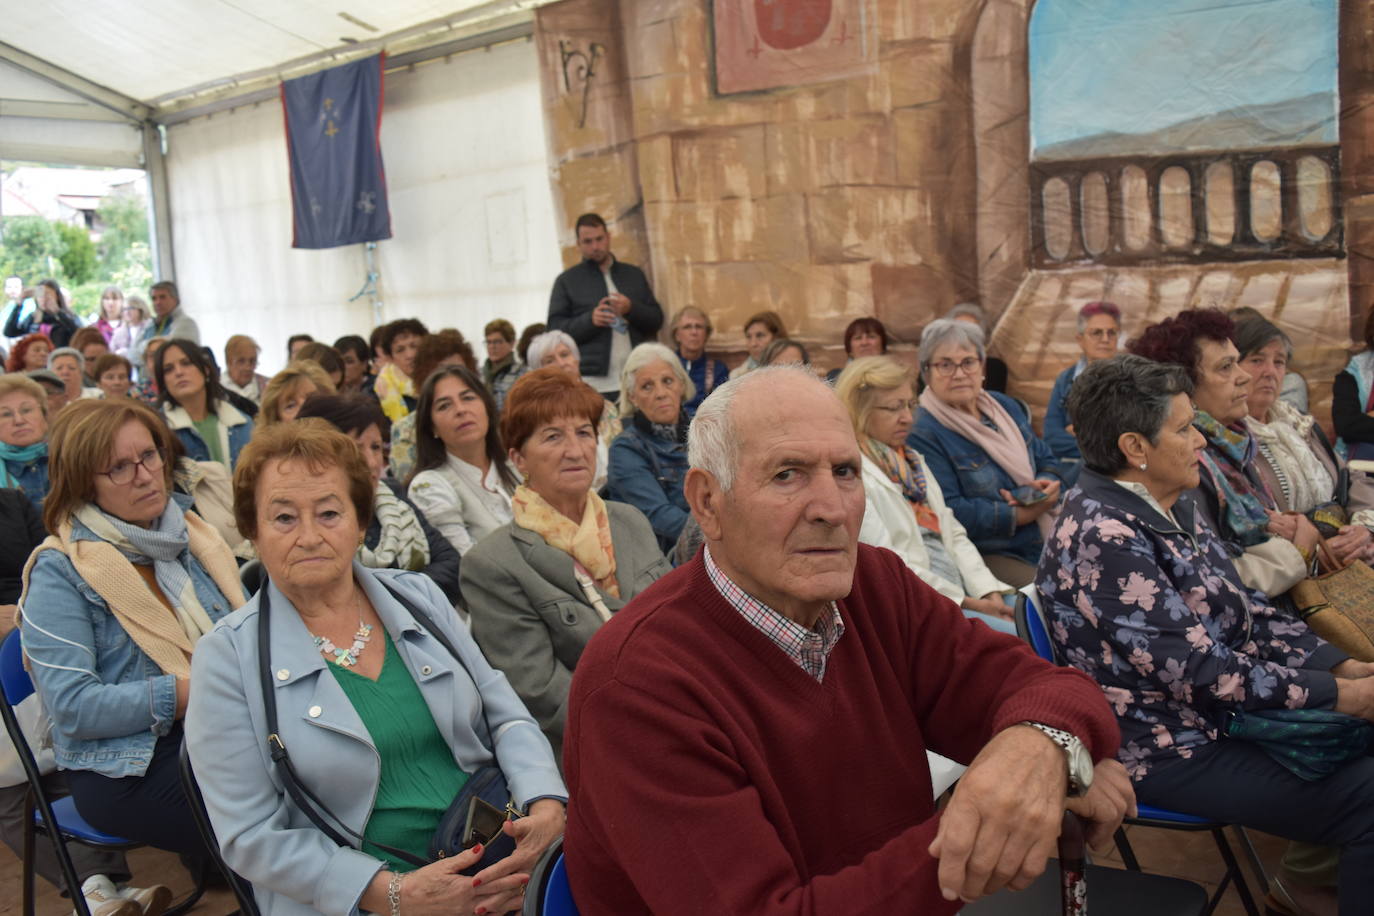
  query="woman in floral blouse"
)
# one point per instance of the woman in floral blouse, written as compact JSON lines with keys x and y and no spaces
{"x":1142,"y":597}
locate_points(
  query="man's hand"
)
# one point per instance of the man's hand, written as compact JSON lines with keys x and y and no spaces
{"x":1001,"y":826}
{"x":1351,"y":543}
{"x":1350,"y":668}
{"x":603,"y":316}
{"x":990,"y":604}
{"x":620,"y":302}
{"x":1106,"y":803}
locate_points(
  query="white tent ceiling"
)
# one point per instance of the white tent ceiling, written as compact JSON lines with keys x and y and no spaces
{"x":155,"y":50}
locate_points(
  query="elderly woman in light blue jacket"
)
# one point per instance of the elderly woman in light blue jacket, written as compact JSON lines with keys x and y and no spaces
{"x":382,"y":723}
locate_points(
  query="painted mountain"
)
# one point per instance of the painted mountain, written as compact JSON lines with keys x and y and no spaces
{"x":1310,"y":119}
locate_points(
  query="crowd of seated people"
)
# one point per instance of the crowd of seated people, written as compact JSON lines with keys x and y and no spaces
{"x":1175,"y":498}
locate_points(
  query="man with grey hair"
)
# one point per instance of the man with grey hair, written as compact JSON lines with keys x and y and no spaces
{"x":749,"y":735}
{"x":169,"y":320}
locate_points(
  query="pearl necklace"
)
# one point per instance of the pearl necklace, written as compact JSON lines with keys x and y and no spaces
{"x":347,"y":658}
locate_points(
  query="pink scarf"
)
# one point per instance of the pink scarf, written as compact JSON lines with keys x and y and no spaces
{"x":1004,"y":445}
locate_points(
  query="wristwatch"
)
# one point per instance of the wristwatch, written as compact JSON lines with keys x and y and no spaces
{"x":1080,"y":761}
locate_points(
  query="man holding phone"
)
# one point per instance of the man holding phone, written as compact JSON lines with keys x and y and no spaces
{"x":749,"y":735}
{"x":605,"y":304}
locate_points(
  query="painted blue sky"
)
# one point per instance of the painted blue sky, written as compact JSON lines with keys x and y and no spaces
{"x":1133,"y":66}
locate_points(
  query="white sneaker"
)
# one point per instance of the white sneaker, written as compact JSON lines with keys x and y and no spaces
{"x":103,"y":900}
{"x":152,"y":901}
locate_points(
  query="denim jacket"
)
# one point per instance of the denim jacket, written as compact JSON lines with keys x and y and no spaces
{"x":32,"y":478}
{"x":235,"y":431}
{"x":108,"y":701}
{"x":1154,"y":612}
{"x":970,"y":481}
{"x":1062,"y":442}
{"x":647,"y":472}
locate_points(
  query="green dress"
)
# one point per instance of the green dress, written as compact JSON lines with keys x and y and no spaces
{"x":419,"y":777}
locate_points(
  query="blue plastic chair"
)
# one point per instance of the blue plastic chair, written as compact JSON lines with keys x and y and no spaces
{"x":16,"y":686}
{"x":1033,"y":628}
{"x":548,"y":893}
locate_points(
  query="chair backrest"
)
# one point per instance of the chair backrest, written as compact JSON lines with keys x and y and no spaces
{"x":16,"y":681}
{"x":1031,"y":625}
{"x":243,"y":891}
{"x":558,"y":899}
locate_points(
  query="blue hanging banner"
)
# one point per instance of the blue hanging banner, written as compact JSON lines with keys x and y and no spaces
{"x":333,"y":138}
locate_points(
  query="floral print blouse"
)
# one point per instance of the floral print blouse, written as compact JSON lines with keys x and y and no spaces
{"x":1152,"y":609}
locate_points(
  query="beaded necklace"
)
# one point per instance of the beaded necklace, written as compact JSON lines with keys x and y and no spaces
{"x":347,"y":658}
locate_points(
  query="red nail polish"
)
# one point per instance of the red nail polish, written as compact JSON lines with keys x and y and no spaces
{"x":481,"y":911}
{"x":477,"y":850}
{"x":476,"y":882}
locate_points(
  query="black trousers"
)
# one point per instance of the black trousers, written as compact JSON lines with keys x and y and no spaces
{"x":1238,"y":783}
{"x":149,"y":809}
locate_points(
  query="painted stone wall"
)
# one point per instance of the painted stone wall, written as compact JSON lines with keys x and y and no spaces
{"x":824,"y":201}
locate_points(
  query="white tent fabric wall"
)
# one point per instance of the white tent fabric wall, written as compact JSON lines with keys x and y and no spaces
{"x":471,"y":211}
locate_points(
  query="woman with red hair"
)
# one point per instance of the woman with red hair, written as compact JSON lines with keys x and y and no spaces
{"x":1271,"y":551}
{"x":30,"y":353}
{"x":539,"y":587}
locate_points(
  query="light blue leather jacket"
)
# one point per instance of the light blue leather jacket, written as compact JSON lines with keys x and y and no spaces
{"x":293,"y":867}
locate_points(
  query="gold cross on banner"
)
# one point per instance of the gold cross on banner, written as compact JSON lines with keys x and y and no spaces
{"x":331,"y":130}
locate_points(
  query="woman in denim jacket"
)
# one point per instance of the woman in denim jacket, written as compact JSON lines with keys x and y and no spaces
{"x":197,"y":407}
{"x":649,"y":458}
{"x":1142,"y":597}
{"x":113,"y":604}
{"x":1000,"y":479}
{"x":24,"y":437}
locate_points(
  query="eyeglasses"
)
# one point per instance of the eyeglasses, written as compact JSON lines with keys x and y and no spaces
{"x":900,"y":406}
{"x":125,"y":471}
{"x":947,"y":367}
{"x":25,"y":410}
{"x":1103,"y":333}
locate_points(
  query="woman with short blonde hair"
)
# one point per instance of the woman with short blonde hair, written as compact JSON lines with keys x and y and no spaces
{"x":906,"y":510}
{"x":286,"y":392}
{"x":24,"y":436}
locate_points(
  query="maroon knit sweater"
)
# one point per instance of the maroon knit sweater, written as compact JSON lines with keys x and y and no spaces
{"x":710,"y":774}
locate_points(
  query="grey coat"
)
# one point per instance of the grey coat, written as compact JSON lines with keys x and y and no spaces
{"x":529,"y":615}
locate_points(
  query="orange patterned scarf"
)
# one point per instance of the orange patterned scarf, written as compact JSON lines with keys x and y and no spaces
{"x":588,"y":543}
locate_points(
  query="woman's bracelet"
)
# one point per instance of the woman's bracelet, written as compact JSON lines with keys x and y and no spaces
{"x":393,"y":893}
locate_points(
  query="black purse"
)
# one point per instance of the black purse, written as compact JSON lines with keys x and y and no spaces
{"x":487,"y":786}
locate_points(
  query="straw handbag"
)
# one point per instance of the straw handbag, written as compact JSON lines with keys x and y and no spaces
{"x":1338,"y":604}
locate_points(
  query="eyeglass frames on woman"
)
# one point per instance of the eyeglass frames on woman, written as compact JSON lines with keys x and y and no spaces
{"x":125,"y":471}
{"x":947,"y":367}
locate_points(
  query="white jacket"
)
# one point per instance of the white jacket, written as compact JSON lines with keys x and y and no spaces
{"x":889,"y":522}
{"x":449,"y":497}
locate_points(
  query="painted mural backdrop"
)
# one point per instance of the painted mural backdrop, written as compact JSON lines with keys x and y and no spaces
{"x":836,"y":158}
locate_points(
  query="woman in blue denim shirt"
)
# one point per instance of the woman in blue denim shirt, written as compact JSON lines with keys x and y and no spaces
{"x":24,"y":437}
{"x":999,"y":478}
{"x":113,"y":605}
{"x":649,"y":458}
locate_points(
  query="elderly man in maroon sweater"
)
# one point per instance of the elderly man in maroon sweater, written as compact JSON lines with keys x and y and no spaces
{"x":749,"y":735}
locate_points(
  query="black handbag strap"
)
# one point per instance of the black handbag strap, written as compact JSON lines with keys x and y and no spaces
{"x":307,"y":801}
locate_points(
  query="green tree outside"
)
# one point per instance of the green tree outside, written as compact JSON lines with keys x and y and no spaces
{"x":33,"y":248}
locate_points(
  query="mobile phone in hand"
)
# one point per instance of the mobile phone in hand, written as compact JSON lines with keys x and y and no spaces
{"x":1028,"y":495}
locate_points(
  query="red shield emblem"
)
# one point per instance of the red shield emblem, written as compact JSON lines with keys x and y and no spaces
{"x":788,"y":24}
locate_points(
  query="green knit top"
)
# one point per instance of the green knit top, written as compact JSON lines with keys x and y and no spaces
{"x":419,"y":777}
